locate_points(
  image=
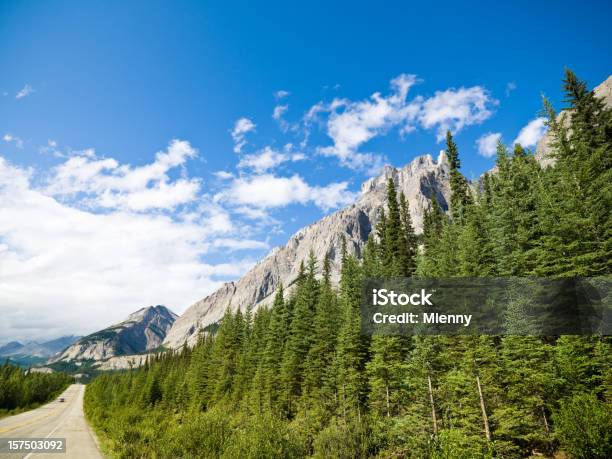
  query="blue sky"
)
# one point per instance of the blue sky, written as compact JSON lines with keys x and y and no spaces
{"x":105,"y":86}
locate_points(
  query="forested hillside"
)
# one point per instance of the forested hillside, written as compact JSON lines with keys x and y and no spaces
{"x":21,"y":390}
{"x":299,"y":380}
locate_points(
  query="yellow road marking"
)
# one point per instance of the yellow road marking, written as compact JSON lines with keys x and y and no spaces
{"x":31,"y":421}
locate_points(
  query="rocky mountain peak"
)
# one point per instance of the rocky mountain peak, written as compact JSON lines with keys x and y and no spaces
{"x":149,"y":312}
{"x":421,"y":179}
{"x":141,"y":331}
{"x":418,"y":166}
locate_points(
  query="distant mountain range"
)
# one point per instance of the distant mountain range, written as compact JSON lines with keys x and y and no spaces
{"x":142,"y":331}
{"x":33,"y":352}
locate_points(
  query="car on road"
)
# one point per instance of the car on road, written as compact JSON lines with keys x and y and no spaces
{"x":61,"y":400}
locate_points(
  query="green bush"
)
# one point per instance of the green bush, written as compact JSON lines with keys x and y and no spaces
{"x":344,"y":440}
{"x":202,"y":435}
{"x":456,"y":444}
{"x":584,"y":427}
{"x":262,"y":437}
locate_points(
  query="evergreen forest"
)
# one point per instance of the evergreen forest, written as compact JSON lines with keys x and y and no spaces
{"x":21,"y":390}
{"x":298,"y":379}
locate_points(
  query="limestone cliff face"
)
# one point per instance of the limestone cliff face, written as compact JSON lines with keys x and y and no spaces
{"x":143,"y":330}
{"x":422,"y":178}
{"x":122,"y":362}
{"x":543,"y":149}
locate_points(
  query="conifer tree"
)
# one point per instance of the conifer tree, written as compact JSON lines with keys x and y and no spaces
{"x":381,"y":234}
{"x":371,"y":264}
{"x":319,"y":378}
{"x":425,"y":364}
{"x":394,"y":245}
{"x":276,"y":340}
{"x":504,"y":215}
{"x":528,"y":381}
{"x":259,"y":397}
{"x":408,"y":254}
{"x":460,"y":193}
{"x":226,"y":352}
{"x":387,"y":371}
{"x":475,"y":246}
{"x":576,"y":219}
{"x":352,"y":349}
{"x":300,"y":338}
{"x":433,"y":224}
{"x":447,"y":262}
{"x":199,"y":372}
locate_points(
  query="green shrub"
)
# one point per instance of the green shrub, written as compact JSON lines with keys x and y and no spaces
{"x":262,"y":437}
{"x":456,"y":444}
{"x":202,"y":435}
{"x":584,"y":427}
{"x":344,"y":440}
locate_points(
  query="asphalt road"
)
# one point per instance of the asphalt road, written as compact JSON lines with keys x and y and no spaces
{"x":54,"y":420}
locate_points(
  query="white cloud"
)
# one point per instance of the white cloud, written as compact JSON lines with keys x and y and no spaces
{"x":269,"y":191}
{"x":531,"y":133}
{"x":262,"y":216}
{"x":223,"y":175}
{"x":332,"y":196}
{"x":510,"y":86}
{"x":243,"y":244}
{"x":9,"y":138}
{"x":66,"y":270}
{"x":281,"y":94}
{"x":268,"y":158}
{"x":455,"y":109}
{"x":285,"y":126}
{"x":162,"y":196}
{"x":332,"y":87}
{"x":487,"y":144}
{"x":278,"y":112}
{"x":24,"y":92}
{"x":241,"y":128}
{"x":262,"y":161}
{"x":52,"y":148}
{"x":352,"y":124}
{"x":108,"y":184}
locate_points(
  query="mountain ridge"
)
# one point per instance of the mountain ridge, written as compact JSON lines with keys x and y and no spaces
{"x":420,"y":179}
{"x":143,"y":330}
{"x":35,"y":348}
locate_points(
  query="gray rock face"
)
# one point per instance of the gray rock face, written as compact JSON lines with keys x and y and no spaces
{"x":122,"y":362}
{"x":543,"y":149}
{"x":143,"y":330}
{"x":422,"y":178}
